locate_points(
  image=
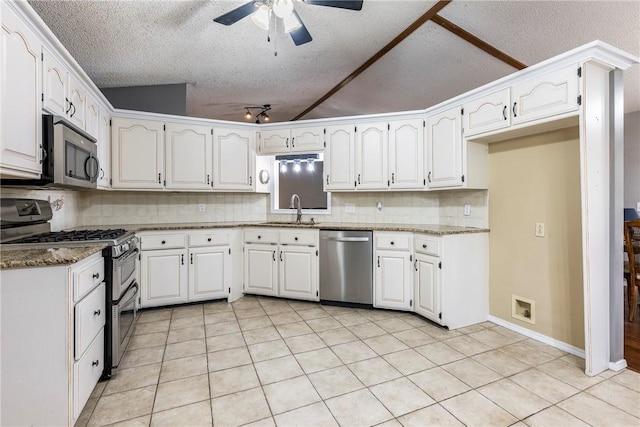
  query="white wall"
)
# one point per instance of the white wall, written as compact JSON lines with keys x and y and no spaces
{"x":632,"y":159}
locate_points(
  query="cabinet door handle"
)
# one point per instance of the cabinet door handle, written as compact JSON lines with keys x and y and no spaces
{"x":259,"y":237}
{"x":415,"y":264}
{"x":274,"y":255}
{"x":327,"y":179}
{"x":424,"y":246}
{"x":96,"y":275}
{"x":74,"y":110}
{"x":504,"y":112}
{"x":280,"y":256}
{"x":44,"y":154}
{"x":163,"y":242}
{"x":293,"y":143}
{"x":250,"y":181}
{"x":429,"y":177}
{"x":182,"y":259}
{"x":102,"y":174}
{"x":68,"y":106}
{"x":378,"y":261}
{"x":97,"y":312}
{"x":514,"y":109}
{"x":358,"y":178}
{"x":209,"y":239}
{"x":392,"y":243}
{"x":287,"y":143}
{"x":191,"y":260}
{"x":159,"y":178}
{"x":393,"y":178}
{"x":208,"y":179}
{"x":295,"y":238}
{"x":95,"y":363}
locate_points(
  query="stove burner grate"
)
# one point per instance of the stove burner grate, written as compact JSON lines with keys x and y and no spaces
{"x":73,"y":236}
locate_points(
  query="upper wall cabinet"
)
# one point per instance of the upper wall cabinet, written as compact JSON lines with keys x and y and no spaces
{"x":234,"y":159}
{"x":188,"y":154}
{"x":444,"y":149}
{"x":339,"y":158}
{"x":20,"y":68}
{"x":296,"y":140}
{"x":491,"y":112}
{"x":372,"y":156}
{"x":92,"y":124}
{"x":406,"y":154}
{"x":545,"y":96}
{"x":137,"y":154}
{"x":104,"y":149}
{"x":63,"y":95}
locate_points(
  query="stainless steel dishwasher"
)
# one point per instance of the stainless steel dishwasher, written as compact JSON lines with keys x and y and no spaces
{"x":346,"y":266}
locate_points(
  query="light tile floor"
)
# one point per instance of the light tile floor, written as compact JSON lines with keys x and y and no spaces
{"x":265,"y":362}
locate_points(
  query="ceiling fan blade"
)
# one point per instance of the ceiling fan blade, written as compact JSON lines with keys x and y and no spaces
{"x":236,"y":14}
{"x":301,"y":35}
{"x":346,"y":4}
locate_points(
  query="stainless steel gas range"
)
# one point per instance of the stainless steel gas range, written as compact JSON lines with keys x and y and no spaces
{"x":24,"y":223}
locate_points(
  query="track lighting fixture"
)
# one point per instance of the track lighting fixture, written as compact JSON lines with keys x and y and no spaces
{"x":262,"y":114}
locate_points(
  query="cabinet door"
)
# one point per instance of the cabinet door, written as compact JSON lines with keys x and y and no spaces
{"x":491,"y":112}
{"x":164,"y":277}
{"x":427,"y":287}
{"x":545,"y":96}
{"x":339,"y":161}
{"x":104,"y":150}
{"x":92,"y":125}
{"x":188,"y":154}
{"x":137,"y":154}
{"x":209,"y":273}
{"x":54,"y":84}
{"x":406,"y":154}
{"x":20,"y":132}
{"x":307,"y":140}
{"x":299,"y":272}
{"x":275,"y":141}
{"x":260,"y":269}
{"x":234,"y":159}
{"x":444,"y":145}
{"x":393,"y":280}
{"x":371,"y":156}
{"x":77,"y":101}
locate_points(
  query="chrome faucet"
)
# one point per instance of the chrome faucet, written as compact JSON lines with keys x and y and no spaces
{"x":292,"y":205}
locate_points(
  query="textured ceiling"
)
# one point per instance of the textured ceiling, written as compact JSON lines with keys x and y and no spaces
{"x":133,"y":43}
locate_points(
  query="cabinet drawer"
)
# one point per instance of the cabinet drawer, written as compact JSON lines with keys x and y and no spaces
{"x":162,"y":241}
{"x":87,"y":278}
{"x":298,"y":238}
{"x":426,"y":246}
{"x":209,"y":239}
{"x":393,"y":241}
{"x":87,"y":372}
{"x":89,"y":319}
{"x":261,"y":236}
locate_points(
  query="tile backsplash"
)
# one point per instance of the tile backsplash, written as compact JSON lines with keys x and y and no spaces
{"x":111,"y":208}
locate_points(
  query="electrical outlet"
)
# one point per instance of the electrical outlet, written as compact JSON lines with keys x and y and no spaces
{"x":539,"y":229}
{"x":379,"y":207}
{"x":202,"y":207}
{"x":350,"y":208}
{"x":467,"y":210}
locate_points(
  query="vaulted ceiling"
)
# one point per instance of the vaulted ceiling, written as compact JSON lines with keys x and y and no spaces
{"x":137,"y":43}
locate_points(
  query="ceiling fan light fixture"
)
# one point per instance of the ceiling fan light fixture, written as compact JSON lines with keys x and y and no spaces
{"x":282,"y":8}
{"x":291,"y":23}
{"x":261,"y":17}
{"x":247,"y":114}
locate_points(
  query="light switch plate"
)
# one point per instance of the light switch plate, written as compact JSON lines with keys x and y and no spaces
{"x":202,"y":207}
{"x":539,"y":229}
{"x":350,"y":207}
{"x":467,"y":210}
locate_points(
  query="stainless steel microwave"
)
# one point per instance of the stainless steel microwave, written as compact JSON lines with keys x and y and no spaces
{"x":69,"y":157}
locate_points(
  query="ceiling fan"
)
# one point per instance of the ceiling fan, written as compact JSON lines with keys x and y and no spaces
{"x":262,"y":10}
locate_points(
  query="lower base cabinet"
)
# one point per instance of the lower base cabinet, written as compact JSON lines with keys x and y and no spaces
{"x":393,"y":284}
{"x":260,"y":269}
{"x":52,"y":352}
{"x":164,"y":277}
{"x":427,"y":287}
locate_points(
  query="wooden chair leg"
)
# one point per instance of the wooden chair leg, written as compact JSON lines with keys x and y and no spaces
{"x":631,"y":296}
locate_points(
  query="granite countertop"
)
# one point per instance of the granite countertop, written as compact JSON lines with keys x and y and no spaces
{"x":434,"y":229}
{"x":45,"y":256}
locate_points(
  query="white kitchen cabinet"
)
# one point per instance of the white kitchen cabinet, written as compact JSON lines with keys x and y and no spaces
{"x":21,"y":71}
{"x":104,"y":150}
{"x":298,"y":272}
{"x":62,"y":93}
{"x":444,"y":149}
{"x":406,"y":154}
{"x":261,"y":269}
{"x":372,"y":156}
{"x":234,"y":159}
{"x":188,"y":157}
{"x":489,"y":113}
{"x":210,"y":265}
{"x":92,"y":124}
{"x":339,"y":158}
{"x":137,"y":154}
{"x":52,"y":341}
{"x":547,"y":95}
{"x":426,"y":284}
{"x":393,"y":282}
{"x":164,"y":276}
{"x":295,"y":140}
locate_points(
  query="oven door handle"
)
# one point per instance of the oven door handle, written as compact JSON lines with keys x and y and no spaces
{"x":121,"y":260}
{"x":125,"y":297}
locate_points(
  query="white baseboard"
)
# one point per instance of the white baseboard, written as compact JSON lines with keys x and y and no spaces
{"x":618,"y":366}
{"x":539,"y":337}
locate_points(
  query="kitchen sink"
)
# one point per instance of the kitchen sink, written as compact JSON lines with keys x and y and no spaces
{"x":292,"y":223}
